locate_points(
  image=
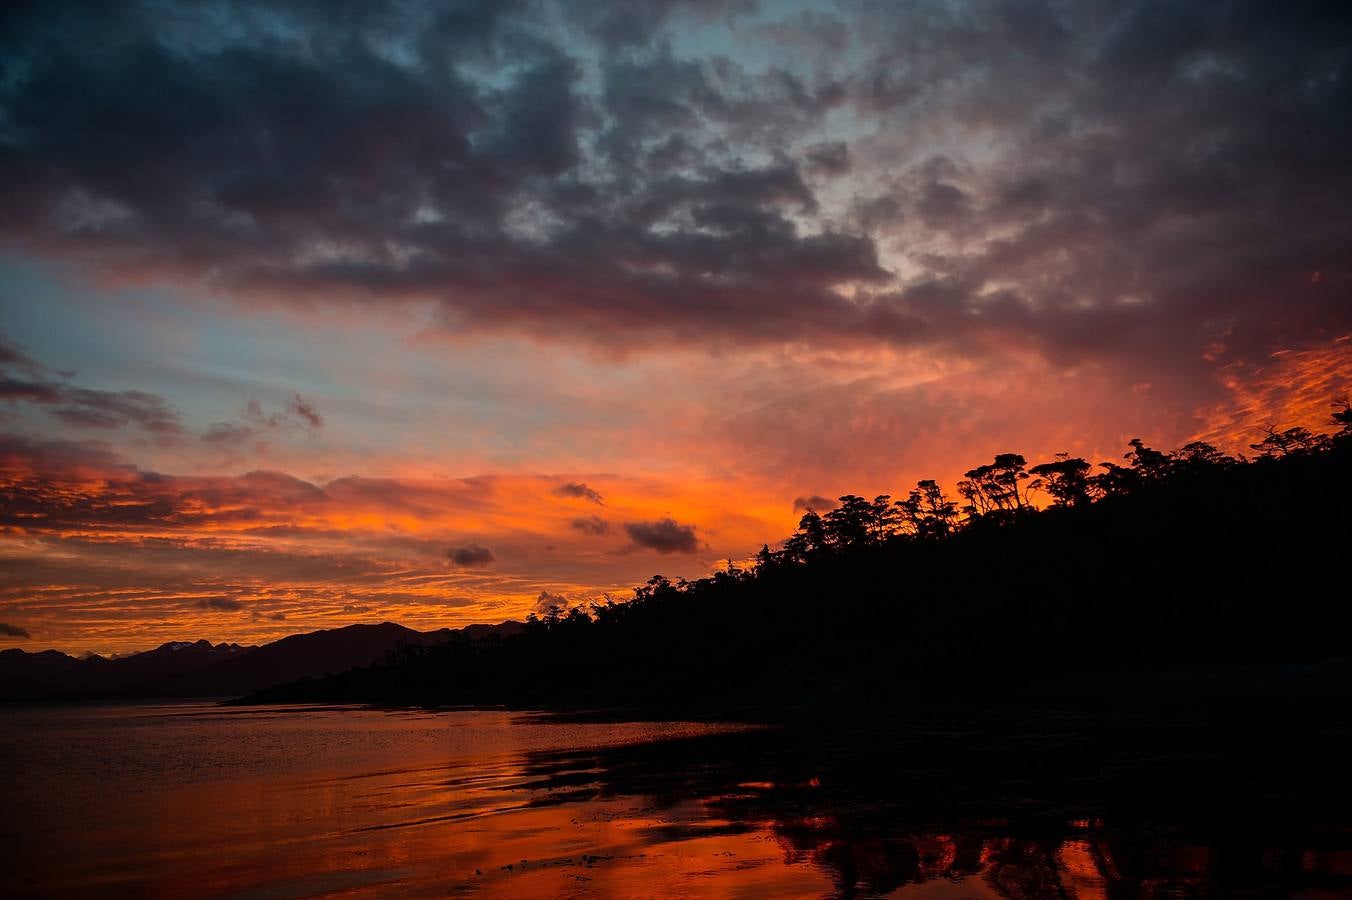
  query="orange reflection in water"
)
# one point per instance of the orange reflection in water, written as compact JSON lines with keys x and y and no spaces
{"x":200,"y":801}
{"x":486,"y":828}
{"x":183,"y":800}
{"x":413,"y":834}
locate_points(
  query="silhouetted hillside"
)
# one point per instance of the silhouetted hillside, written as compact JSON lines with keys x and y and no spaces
{"x":53,"y":675}
{"x":24,"y":674}
{"x":1182,"y":559}
{"x":201,"y":669}
{"x":300,"y":656}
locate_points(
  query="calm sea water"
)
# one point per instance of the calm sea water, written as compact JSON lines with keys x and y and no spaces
{"x":201,"y":800}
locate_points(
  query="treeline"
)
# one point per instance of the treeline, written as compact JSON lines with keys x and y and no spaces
{"x":1001,"y":492}
{"x":1163,"y":559}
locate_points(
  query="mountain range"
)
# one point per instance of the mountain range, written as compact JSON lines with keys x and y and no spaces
{"x":202,"y":669}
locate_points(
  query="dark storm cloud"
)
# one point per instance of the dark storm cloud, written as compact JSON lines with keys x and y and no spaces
{"x":1137,"y":179}
{"x":664,"y":535}
{"x":471,"y":556}
{"x":634,"y":22}
{"x":29,"y":390}
{"x":291,"y":155}
{"x":229,"y":433}
{"x":218,"y":604}
{"x":23,"y":378}
{"x":305,"y":410}
{"x":11,"y":354}
{"x":299,"y":416}
{"x":1163,"y":169}
{"x":591,"y":525}
{"x":548,"y":603}
{"x":7,"y":630}
{"x":828,"y":158}
{"x":580,"y":490}
{"x":113,"y":409}
{"x":815,"y":503}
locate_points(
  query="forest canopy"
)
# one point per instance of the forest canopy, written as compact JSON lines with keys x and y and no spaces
{"x":1164,"y":558}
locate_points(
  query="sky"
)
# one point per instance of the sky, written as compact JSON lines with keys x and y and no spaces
{"x":317,"y":313}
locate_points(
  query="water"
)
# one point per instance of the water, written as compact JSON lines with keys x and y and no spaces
{"x":201,"y":800}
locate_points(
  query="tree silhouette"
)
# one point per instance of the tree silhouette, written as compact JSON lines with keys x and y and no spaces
{"x":1151,"y":464}
{"x":1199,"y":455}
{"x":1342,"y":415}
{"x":1147,"y":467}
{"x":995,"y":490}
{"x":928,"y":511}
{"x":658,"y":586}
{"x":885,"y":519}
{"x":847,"y":604}
{"x":809,"y":540}
{"x":851,"y":523}
{"x":1066,"y":480}
{"x":1290,"y":442}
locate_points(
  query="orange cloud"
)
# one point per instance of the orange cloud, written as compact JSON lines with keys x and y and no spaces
{"x":1290,"y":388}
{"x":101,"y":555}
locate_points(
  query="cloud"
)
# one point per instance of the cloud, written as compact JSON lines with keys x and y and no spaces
{"x":579,"y":490}
{"x":228,"y":433}
{"x":880,"y":240}
{"x":665,"y":535}
{"x":548,"y":602}
{"x":305,"y":410}
{"x":586,"y":182}
{"x":14,"y":631}
{"x":24,"y":379}
{"x":591,"y":525}
{"x":113,"y":409}
{"x":12,"y":355}
{"x":300,"y":416}
{"x":85,"y":530}
{"x":471,"y":556}
{"x":218,"y":604}
{"x":47,"y":488}
{"x":829,"y":158}
{"x":815,"y":503}
{"x":521,"y":195}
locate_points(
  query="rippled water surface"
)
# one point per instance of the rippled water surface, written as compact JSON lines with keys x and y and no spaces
{"x":201,"y":800}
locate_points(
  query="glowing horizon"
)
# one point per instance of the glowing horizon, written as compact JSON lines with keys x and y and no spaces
{"x":435,"y":319}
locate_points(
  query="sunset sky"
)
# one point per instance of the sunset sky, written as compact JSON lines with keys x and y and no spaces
{"x":320,"y":313}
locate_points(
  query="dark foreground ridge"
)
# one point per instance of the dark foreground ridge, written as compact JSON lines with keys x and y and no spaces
{"x":1139,"y":574}
{"x":203,"y":669}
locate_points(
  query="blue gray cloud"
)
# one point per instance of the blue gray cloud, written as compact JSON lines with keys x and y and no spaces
{"x":1140,"y":180}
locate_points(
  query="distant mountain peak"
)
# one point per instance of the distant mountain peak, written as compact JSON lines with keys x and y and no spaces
{"x":200,"y":646}
{"x":200,"y":668}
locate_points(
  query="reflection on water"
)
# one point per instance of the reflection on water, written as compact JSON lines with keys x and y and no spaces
{"x":196,"y":800}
